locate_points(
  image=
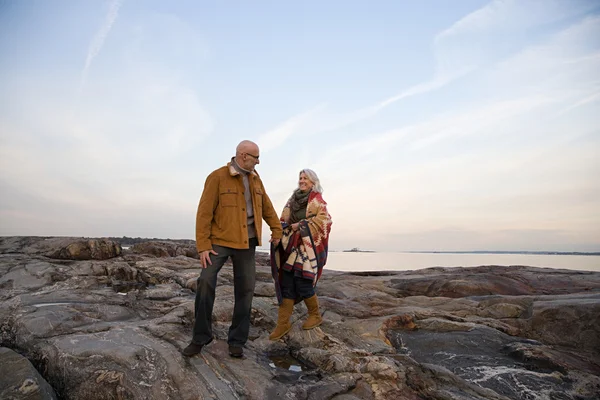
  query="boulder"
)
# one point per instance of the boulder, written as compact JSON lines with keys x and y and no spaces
{"x":165,"y":249}
{"x":74,"y":248}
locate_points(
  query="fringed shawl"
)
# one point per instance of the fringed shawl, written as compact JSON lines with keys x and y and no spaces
{"x":306,"y":249}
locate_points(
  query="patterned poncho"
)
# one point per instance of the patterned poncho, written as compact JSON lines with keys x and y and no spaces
{"x":305,"y":250}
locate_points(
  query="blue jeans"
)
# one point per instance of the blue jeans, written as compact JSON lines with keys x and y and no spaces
{"x":293,"y":287}
{"x":244,"y":277}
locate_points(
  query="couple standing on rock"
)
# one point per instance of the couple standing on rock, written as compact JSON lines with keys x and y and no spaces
{"x":229,"y":223}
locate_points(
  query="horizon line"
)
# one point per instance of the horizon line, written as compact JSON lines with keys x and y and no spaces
{"x":549,"y":252}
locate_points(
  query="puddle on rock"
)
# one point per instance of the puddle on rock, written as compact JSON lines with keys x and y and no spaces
{"x":62,"y":303}
{"x":124,"y":287}
{"x":287,"y":362}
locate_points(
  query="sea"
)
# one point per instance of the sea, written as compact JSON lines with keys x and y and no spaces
{"x":399,"y":261}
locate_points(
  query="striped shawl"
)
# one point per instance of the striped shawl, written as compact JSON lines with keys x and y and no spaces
{"x":306,"y":249}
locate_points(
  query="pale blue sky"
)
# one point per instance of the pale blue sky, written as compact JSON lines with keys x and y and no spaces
{"x":433,"y":125}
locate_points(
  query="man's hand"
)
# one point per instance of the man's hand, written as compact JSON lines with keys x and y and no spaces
{"x":295,"y":226}
{"x":205,"y":257}
{"x":275,"y":241}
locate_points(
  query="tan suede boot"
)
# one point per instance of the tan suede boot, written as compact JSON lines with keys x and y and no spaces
{"x":283,"y":320}
{"x":314,"y":316}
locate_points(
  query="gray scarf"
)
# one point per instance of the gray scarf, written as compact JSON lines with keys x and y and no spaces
{"x":298,"y":203}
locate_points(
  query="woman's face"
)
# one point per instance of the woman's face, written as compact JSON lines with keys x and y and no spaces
{"x":304,"y":183}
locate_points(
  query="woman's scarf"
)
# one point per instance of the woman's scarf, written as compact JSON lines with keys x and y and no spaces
{"x":298,"y":203}
{"x":304,"y":250}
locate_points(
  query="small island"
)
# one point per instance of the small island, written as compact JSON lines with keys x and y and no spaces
{"x":357,"y":250}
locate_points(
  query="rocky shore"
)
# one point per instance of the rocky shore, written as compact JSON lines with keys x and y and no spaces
{"x":87,"y":319}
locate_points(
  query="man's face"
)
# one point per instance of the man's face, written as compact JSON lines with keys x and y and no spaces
{"x":250,"y":158}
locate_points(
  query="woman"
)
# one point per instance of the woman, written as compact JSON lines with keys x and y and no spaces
{"x":297,"y":261}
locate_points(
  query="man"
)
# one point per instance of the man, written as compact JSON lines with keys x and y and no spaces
{"x":228,"y":224}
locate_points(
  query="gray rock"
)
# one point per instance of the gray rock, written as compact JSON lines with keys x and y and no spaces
{"x":20,"y":380}
{"x":165,"y":249}
{"x":75,"y":248}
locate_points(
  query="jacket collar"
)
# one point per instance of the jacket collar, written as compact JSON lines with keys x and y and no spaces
{"x":234,"y":172}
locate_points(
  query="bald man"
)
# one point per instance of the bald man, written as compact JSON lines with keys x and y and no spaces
{"x":228,"y":224}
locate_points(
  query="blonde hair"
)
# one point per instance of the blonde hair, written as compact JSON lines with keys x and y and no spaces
{"x":312,"y":175}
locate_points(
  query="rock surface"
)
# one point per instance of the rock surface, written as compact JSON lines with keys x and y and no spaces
{"x":101,"y":322}
{"x":20,"y":380}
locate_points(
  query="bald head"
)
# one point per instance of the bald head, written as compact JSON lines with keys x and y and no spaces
{"x":246,"y":155}
{"x":246,"y":146}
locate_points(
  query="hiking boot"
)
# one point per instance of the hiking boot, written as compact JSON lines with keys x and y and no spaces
{"x":236,"y":351}
{"x":192,"y":349}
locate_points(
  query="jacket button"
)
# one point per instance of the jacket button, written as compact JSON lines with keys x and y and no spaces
{"x":243,"y":209}
{"x":244,"y":226}
{"x":245,"y":241}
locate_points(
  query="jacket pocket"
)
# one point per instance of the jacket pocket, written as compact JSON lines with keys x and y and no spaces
{"x":258,"y":197}
{"x":228,"y":197}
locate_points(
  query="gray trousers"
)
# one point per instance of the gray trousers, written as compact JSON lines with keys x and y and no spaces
{"x":244,"y":277}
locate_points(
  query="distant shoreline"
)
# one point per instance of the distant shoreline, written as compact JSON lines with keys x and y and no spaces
{"x":537,"y":253}
{"x":533,"y":253}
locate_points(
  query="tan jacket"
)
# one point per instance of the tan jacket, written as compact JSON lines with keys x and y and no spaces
{"x":221,"y":216}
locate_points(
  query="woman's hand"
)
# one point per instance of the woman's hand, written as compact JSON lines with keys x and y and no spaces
{"x":295,"y":226}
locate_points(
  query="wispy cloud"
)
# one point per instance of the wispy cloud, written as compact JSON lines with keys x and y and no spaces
{"x":437,"y":82}
{"x":277,"y":136}
{"x":99,"y":38}
{"x":482,"y":120}
{"x":472,"y":41}
{"x":587,"y":100}
{"x":561,"y":70}
{"x":459,"y":50}
{"x":511,"y":17}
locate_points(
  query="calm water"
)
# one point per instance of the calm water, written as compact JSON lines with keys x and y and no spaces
{"x":342,"y":261}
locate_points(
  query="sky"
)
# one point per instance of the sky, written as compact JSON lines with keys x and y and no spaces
{"x":433,"y":125}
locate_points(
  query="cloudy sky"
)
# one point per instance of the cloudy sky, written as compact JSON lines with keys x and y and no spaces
{"x":433,"y":125}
